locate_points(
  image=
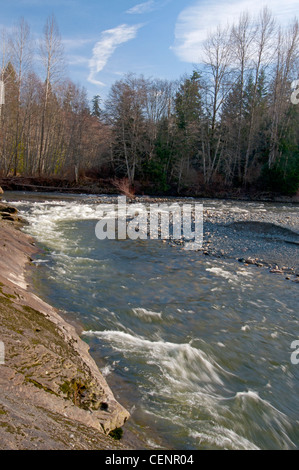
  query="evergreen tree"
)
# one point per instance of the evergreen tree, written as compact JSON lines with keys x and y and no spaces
{"x":96,"y":108}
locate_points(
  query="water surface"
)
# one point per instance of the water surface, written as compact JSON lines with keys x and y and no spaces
{"x":197,"y":348}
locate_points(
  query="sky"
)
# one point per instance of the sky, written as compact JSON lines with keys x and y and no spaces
{"x":106,"y":39}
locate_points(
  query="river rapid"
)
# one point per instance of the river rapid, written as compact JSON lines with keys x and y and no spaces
{"x":196,"y":345}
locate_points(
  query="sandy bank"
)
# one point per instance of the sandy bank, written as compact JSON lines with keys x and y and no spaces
{"x":52,"y":395}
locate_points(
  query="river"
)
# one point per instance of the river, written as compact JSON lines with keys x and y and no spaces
{"x":197,"y":348}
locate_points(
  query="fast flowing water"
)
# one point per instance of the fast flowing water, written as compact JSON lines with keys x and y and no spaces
{"x":197,"y":348}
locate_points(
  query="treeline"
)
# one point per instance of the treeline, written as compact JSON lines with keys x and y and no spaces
{"x":46,"y":128}
{"x":231,"y":124}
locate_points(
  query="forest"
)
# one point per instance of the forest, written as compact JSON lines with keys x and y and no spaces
{"x":231,"y":124}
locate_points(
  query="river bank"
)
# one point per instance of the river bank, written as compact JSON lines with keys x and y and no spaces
{"x":52,"y":394}
{"x":97,"y":186}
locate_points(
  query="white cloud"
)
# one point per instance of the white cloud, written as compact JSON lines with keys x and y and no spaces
{"x":105,"y":47}
{"x":76,"y":59}
{"x":195,"y":22}
{"x":141,"y":8}
{"x":75,"y":43}
{"x":72,"y":47}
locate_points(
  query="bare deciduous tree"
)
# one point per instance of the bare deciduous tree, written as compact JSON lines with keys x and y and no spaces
{"x":52,"y":58}
{"x":264,"y":52}
{"x":21,"y":52}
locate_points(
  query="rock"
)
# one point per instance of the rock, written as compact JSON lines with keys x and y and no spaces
{"x":9,"y":213}
{"x":4,"y":208}
{"x":276,"y":270}
{"x":7,"y":216}
{"x":250,"y":261}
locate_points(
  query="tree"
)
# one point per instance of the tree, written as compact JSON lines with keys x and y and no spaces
{"x":21,"y":59}
{"x":189,"y":115}
{"x":125,"y":111}
{"x":219,"y":81}
{"x":96,"y":108}
{"x":51,"y":52}
{"x":9,"y":116}
{"x":286,"y":69}
{"x":242,"y":41}
{"x":76,"y":120}
{"x":263,"y":47}
{"x":158,"y":104}
{"x":234,"y":129}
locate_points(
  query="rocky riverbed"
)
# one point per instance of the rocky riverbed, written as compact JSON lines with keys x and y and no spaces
{"x":264,"y":238}
{"x":263,"y":234}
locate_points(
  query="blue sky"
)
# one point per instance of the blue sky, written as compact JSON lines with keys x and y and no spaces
{"x":105,"y":39}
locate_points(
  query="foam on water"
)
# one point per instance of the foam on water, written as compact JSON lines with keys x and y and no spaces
{"x":231,"y":277}
{"x":222,"y":273}
{"x":250,"y":406}
{"x":44,"y":219}
{"x":222,"y":438}
{"x":147,"y":315}
{"x":178,"y":362}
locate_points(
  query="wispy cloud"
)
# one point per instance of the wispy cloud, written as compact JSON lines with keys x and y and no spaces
{"x":141,"y":8}
{"x":76,"y":59}
{"x":195,"y":22}
{"x":75,"y":50}
{"x":105,"y":47}
{"x":75,"y":43}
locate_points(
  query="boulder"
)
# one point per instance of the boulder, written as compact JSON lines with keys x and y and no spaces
{"x":4,"y":208}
